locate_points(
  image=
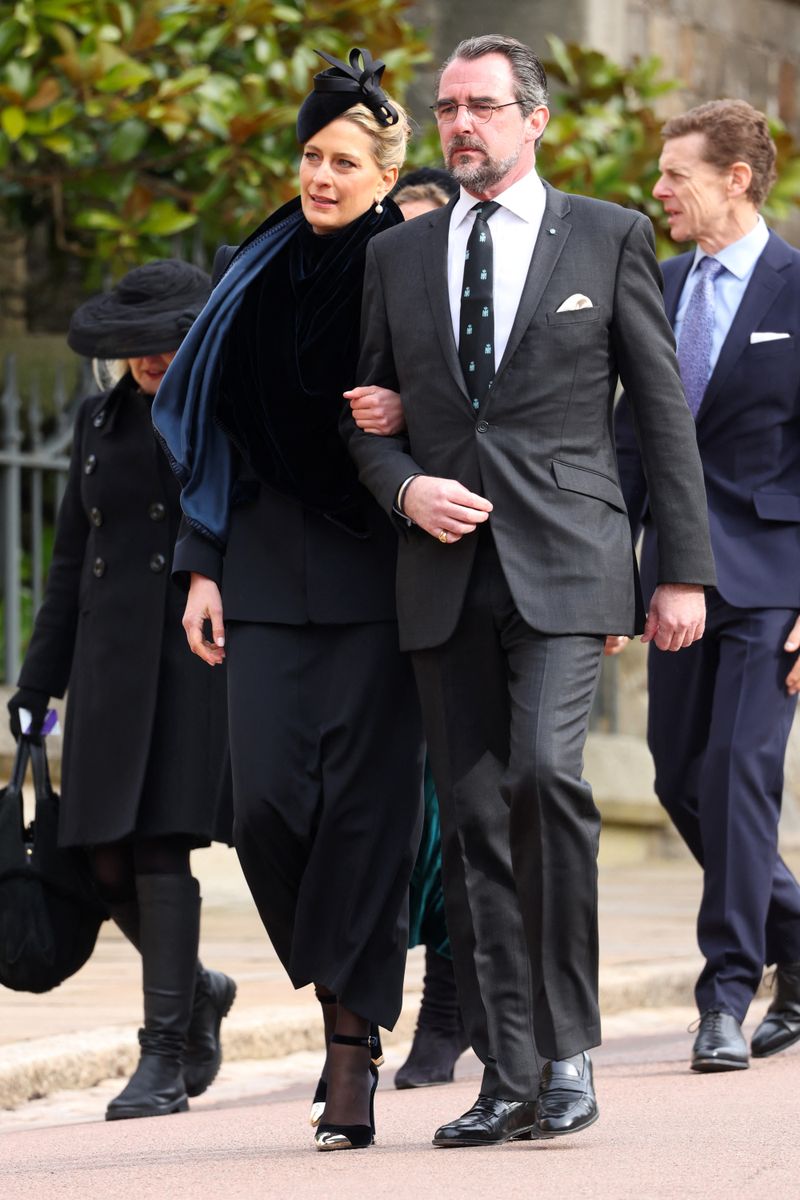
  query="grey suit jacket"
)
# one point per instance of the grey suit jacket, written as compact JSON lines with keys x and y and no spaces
{"x":542,"y":447}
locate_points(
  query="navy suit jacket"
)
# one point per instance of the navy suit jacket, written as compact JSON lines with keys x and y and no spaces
{"x":748,"y":433}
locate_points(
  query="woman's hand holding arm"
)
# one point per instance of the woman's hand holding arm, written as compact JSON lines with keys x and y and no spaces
{"x":377,"y":410}
{"x":204,"y":603}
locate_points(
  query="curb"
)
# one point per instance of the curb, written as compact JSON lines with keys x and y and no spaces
{"x":34,"y":1069}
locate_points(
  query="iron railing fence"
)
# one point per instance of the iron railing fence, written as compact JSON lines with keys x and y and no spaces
{"x":35,"y":439}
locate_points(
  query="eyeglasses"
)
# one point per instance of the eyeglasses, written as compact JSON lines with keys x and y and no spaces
{"x":480,"y":110}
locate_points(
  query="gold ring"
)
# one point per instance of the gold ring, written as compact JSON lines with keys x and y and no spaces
{"x":443,"y":536}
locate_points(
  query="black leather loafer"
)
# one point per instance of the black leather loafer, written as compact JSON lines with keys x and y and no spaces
{"x":567,"y":1102}
{"x":719,"y":1045}
{"x":780,"y":1028}
{"x":489,"y":1122}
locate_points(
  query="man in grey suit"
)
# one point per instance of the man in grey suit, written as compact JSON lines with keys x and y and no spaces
{"x":504,"y":321}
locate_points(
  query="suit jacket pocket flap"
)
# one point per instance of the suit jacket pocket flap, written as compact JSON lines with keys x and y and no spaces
{"x":589,"y":483}
{"x":777,"y":506}
{"x":573,"y":316}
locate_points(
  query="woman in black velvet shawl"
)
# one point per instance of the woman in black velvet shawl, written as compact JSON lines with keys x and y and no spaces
{"x":325,"y":734}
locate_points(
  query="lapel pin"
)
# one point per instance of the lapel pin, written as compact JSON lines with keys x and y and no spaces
{"x":551,"y":230}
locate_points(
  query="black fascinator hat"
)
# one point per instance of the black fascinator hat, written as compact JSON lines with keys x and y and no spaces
{"x":339,"y":88}
{"x":149,"y":311}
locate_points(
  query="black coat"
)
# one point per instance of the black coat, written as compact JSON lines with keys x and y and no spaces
{"x":145,"y":746}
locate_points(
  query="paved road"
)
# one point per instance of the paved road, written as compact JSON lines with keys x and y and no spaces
{"x":664,"y":1134}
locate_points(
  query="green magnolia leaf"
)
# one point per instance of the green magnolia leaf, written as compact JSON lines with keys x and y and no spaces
{"x":59,"y":143}
{"x":282,"y":12}
{"x":165,"y":218}
{"x":11,"y":36}
{"x":125,"y":77}
{"x":13,"y":122}
{"x":95,"y":218}
{"x":127,"y":141}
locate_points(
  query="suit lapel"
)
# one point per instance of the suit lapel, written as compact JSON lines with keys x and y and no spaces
{"x":434,"y":262}
{"x":552,"y":238}
{"x":762,"y":290}
{"x":673,"y":284}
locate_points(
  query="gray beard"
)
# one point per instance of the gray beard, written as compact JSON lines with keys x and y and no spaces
{"x":478,"y":177}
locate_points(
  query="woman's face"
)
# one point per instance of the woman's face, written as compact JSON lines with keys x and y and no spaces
{"x":339,"y":178}
{"x":149,"y":370}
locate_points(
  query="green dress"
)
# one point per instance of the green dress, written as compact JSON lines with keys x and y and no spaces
{"x":427,"y":925}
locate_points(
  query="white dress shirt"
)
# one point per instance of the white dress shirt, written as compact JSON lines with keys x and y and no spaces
{"x":515,"y":228}
{"x":739,"y":260}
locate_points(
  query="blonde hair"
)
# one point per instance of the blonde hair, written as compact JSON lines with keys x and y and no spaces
{"x":389,"y":142}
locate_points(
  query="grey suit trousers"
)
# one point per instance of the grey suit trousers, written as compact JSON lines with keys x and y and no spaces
{"x":506,"y":712}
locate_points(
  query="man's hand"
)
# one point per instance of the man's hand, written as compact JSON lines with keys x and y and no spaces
{"x":376,"y":410}
{"x":791,"y":646}
{"x":677,"y":616}
{"x":444,"y":507}
{"x":204,"y":603}
{"x":615,"y":644}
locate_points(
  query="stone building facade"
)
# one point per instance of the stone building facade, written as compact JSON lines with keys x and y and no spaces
{"x":749,"y":49}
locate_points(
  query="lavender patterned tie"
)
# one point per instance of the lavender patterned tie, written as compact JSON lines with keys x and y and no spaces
{"x":697,"y":334}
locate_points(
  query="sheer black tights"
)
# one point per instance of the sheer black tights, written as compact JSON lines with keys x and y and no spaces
{"x":116,"y":865}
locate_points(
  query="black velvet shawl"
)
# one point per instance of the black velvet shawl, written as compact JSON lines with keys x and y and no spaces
{"x":291,"y":352}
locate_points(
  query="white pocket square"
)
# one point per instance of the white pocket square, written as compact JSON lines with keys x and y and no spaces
{"x":767,"y":337}
{"x":578,"y":300}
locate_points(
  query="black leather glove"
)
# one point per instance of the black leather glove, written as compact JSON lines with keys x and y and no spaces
{"x":36,"y":703}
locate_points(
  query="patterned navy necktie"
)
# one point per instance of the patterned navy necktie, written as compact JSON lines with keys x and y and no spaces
{"x":697,"y":334}
{"x":476,"y":324}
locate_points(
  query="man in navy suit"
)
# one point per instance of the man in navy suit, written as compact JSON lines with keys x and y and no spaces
{"x":720,"y":712}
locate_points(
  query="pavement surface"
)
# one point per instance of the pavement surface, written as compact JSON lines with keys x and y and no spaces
{"x":663,"y":1131}
{"x":663,"y":1134}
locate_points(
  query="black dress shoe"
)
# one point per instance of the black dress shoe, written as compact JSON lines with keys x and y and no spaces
{"x":567,"y":1102}
{"x":489,"y":1122}
{"x":780,"y":1028}
{"x":719,"y":1045}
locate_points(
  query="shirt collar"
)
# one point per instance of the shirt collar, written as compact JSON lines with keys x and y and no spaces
{"x":525,"y":199}
{"x":741,"y":256}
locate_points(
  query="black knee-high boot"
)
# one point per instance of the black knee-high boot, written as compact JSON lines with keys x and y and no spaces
{"x":214,"y":993}
{"x":169,"y":929}
{"x":440,"y":1038}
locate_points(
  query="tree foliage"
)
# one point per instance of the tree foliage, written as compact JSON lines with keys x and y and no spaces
{"x":125,"y":122}
{"x":604,"y":138}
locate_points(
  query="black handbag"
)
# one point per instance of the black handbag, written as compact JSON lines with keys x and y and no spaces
{"x":50,"y":913}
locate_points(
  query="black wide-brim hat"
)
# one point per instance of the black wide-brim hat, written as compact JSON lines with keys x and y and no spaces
{"x":341,"y":87}
{"x":149,"y":311}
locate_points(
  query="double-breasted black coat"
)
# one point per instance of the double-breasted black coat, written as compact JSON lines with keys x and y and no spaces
{"x":145,"y":740}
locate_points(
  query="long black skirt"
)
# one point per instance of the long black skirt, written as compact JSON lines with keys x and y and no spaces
{"x":327,"y":757}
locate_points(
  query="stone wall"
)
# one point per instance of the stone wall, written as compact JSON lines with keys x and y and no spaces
{"x":743,"y":48}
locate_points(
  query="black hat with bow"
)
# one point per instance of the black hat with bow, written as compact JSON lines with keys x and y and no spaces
{"x":339,"y":88}
{"x":149,"y":311}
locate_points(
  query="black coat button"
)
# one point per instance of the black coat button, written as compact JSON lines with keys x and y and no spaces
{"x":156,"y":511}
{"x":90,"y":464}
{"x":98,"y":568}
{"x":157,"y":563}
{"x":99,"y":419}
{"x":96,"y":517}
{"x":482,"y":426}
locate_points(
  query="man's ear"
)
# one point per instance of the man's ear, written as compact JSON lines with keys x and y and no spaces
{"x":740,"y":178}
{"x":536,"y":122}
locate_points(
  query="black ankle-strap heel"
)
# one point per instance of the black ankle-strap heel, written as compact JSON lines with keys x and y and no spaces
{"x":321,"y":1092}
{"x":353,"y":1137}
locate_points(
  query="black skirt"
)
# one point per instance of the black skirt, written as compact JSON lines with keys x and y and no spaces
{"x":326,"y":747}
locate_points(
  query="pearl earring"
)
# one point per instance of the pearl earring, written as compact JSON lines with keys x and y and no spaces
{"x":378,"y":207}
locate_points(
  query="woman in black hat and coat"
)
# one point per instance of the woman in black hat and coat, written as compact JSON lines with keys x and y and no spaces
{"x":143,"y":772}
{"x":326,"y":742}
